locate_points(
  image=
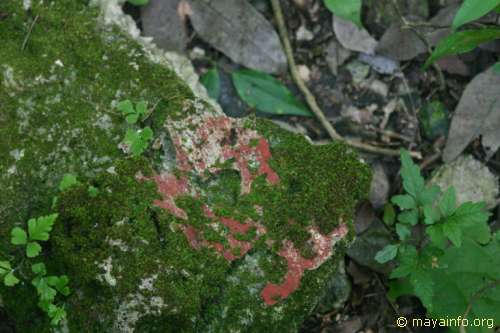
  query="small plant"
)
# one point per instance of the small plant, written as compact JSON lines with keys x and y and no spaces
{"x":135,"y":141}
{"x":445,"y":254}
{"x":47,"y":287}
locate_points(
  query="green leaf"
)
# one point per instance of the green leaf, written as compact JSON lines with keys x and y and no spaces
{"x":141,"y":108}
{"x":389,"y":214}
{"x":18,"y":236}
{"x":434,"y":119}
{"x":68,"y":181}
{"x":399,"y":287}
{"x":472,"y":10}
{"x":132,"y":118}
{"x":413,"y":182}
{"x":56,"y":314}
{"x":60,"y":283}
{"x":45,"y":292}
{"x":431,"y":214}
{"x":92,"y":191}
{"x":33,"y":249}
{"x":10,"y":279}
{"x":5,"y":267}
{"x":388,"y":253}
{"x":138,"y":141}
{"x":39,"y":269}
{"x":496,"y":67}
{"x":126,"y":107}
{"x":448,"y":202}
{"x":266,"y":94}
{"x":462,"y":42}
{"x":409,"y":217}
{"x":404,"y":201}
{"x":423,"y":286}
{"x":347,"y":9}
{"x":39,"y":228}
{"x":211,"y":81}
{"x":472,"y":219}
{"x":138,"y":2}
{"x":403,"y":231}
{"x":454,"y":233}
{"x":408,"y":259}
{"x":428,"y":195}
{"x":437,"y":236}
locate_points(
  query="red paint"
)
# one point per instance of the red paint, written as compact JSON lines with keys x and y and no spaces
{"x":323,"y":247}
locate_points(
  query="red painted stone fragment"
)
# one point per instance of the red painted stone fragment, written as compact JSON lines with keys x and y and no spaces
{"x":323,"y":247}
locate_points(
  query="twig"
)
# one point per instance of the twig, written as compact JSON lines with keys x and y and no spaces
{"x":29,"y":33}
{"x":474,"y":297}
{"x":311,"y":100}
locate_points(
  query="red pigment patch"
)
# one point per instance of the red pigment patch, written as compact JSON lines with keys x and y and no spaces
{"x":323,"y":247}
{"x":171,"y":187}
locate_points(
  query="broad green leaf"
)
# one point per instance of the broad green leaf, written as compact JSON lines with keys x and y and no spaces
{"x":18,"y":236}
{"x":454,"y":233}
{"x":462,"y":42}
{"x":448,"y":202}
{"x":472,"y":219}
{"x":431,"y":214}
{"x":388,"y":253}
{"x":409,"y":217}
{"x":5,"y":267}
{"x":408,"y":260}
{"x":347,"y":9}
{"x":141,"y":108}
{"x":132,"y":118}
{"x":138,"y":2}
{"x":428,"y":195}
{"x":472,"y":10}
{"x":33,"y":249}
{"x":126,"y":107}
{"x":413,"y":182}
{"x":399,"y":287}
{"x":266,"y":94}
{"x":56,"y":314}
{"x":68,"y":181}
{"x":10,"y":279}
{"x":403,"y":231}
{"x":138,"y":141}
{"x":404,"y":201}
{"x":423,"y":286}
{"x":39,"y":228}
{"x":39,"y":269}
{"x":211,"y":81}
{"x":389,"y":214}
{"x":45,"y":292}
{"x":60,"y":283}
{"x":437,"y":236}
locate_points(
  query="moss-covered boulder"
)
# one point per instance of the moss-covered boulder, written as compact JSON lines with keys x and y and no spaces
{"x":221,"y":225}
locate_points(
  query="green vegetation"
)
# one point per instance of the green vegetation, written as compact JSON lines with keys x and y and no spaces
{"x":445,"y":254}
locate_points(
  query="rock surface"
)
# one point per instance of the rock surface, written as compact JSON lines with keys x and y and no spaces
{"x":223,"y":225}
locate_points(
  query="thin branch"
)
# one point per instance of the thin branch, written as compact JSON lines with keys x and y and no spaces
{"x":311,"y":100}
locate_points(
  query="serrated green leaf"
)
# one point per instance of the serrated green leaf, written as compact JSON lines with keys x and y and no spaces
{"x":472,"y":218}
{"x":389,"y":214}
{"x":347,"y":9}
{"x":448,"y":202}
{"x":403,"y":231}
{"x":132,"y":118}
{"x":39,"y":269}
{"x":68,"y":181}
{"x":141,"y":108}
{"x":266,"y":94}
{"x":428,"y":195}
{"x":423,"y":286}
{"x":56,"y":314}
{"x":413,"y":182}
{"x":431,"y":214}
{"x":45,"y":292}
{"x":388,"y":253}
{"x":404,"y":201}
{"x":10,"y":279}
{"x":33,"y":249}
{"x":211,"y":81}
{"x":437,"y":236}
{"x":472,"y":10}
{"x":462,"y":42}
{"x":60,"y":283}
{"x":409,"y":217}
{"x":39,"y":228}
{"x":18,"y":236}
{"x":399,"y":287}
{"x":408,"y":260}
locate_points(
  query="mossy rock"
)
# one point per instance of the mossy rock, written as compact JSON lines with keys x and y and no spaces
{"x":222,"y":225}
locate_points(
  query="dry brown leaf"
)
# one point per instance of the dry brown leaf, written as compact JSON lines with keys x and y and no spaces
{"x":353,"y":38}
{"x":239,"y":31}
{"x":477,"y":113}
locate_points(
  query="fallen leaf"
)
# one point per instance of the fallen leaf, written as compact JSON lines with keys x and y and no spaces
{"x":400,"y":44}
{"x":453,"y":65}
{"x":477,"y":113}
{"x":380,"y":64}
{"x":353,"y":38}
{"x":379,"y":188}
{"x":336,"y":56}
{"x":239,"y":31}
{"x":161,"y":20}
